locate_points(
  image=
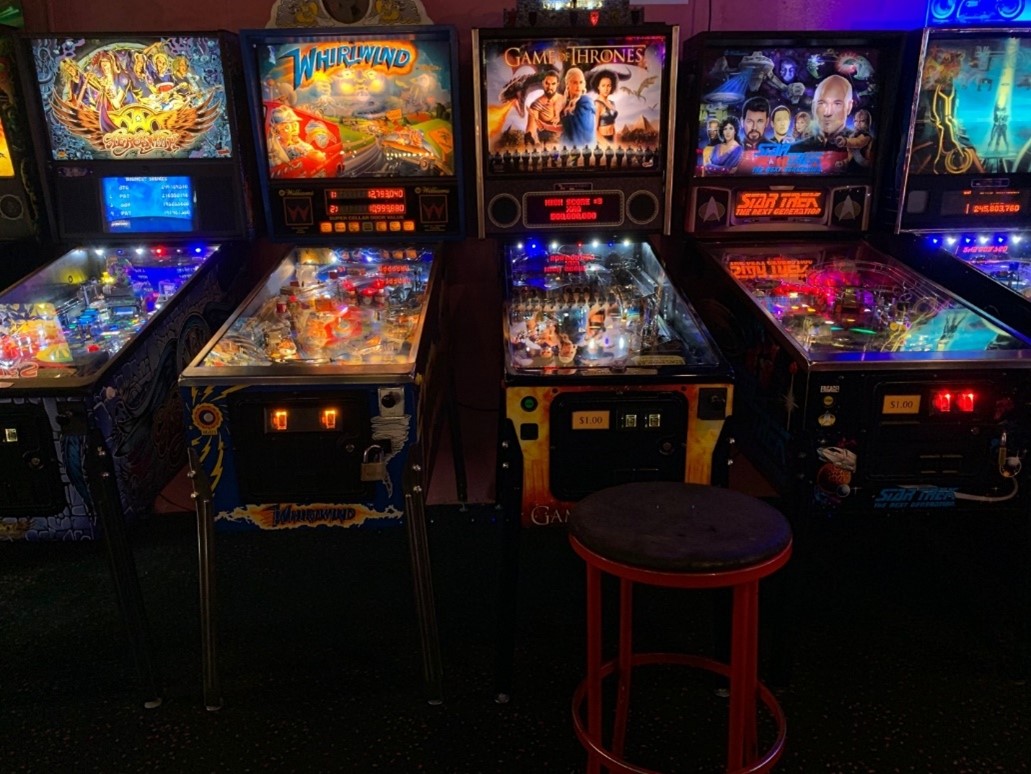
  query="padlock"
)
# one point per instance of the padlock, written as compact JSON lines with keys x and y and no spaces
{"x":374,"y":467}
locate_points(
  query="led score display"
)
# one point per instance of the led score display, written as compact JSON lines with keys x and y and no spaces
{"x":984,"y":203}
{"x":595,"y":208}
{"x":366,"y":201}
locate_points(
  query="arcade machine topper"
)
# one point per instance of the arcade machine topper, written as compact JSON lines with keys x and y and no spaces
{"x":573,"y":13}
{"x":965,"y":187}
{"x":978,"y":13}
{"x":144,"y":169}
{"x":861,"y":386}
{"x":22,"y":213}
{"x":608,"y":375}
{"x":314,"y":405}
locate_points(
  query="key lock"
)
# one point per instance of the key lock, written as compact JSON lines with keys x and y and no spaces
{"x":374,"y":465}
{"x":1009,"y":464}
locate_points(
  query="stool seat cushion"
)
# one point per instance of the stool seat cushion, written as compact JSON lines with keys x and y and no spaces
{"x":676,"y":527}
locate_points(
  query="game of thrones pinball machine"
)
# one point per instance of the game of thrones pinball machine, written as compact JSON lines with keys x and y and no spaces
{"x":608,"y":374}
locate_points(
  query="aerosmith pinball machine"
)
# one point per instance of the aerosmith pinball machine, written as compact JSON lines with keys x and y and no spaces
{"x":862,"y":386}
{"x":23,"y":227}
{"x":965,"y":177}
{"x":608,"y":376}
{"x":317,"y":404}
{"x":144,"y":172}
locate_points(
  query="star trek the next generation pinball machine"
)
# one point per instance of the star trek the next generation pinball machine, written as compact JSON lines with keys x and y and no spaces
{"x":145,"y":172}
{"x":317,"y":404}
{"x":862,"y":386}
{"x":965,"y":175}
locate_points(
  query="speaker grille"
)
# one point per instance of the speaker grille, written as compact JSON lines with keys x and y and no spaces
{"x":642,"y":207}
{"x":504,"y":210}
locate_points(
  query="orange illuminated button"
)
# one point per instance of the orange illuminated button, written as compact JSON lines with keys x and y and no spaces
{"x":278,"y":419}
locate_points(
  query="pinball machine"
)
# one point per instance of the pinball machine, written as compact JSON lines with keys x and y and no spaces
{"x":602,"y":355}
{"x":608,"y":375}
{"x":318,"y":403}
{"x":963,"y":202}
{"x":23,"y":221}
{"x":863,"y":387}
{"x":94,"y":340}
{"x":145,"y":182}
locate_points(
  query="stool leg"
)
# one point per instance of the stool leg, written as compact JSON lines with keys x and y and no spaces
{"x":744,"y":678}
{"x":594,"y":664}
{"x":626,"y":653}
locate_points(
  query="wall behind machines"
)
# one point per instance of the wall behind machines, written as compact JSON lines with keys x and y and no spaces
{"x":111,"y":16}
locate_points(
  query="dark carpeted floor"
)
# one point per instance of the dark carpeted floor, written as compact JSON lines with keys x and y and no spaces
{"x":903,"y":640}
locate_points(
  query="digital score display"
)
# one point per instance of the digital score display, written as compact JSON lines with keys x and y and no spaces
{"x":573,"y":208}
{"x":386,"y":202}
{"x":779,"y":205}
{"x":147,"y":205}
{"x":983,"y":203}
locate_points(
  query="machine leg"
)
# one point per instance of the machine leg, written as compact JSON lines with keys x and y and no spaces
{"x":107,"y":504}
{"x":510,"y":489}
{"x":422,"y":577}
{"x":206,"y":575}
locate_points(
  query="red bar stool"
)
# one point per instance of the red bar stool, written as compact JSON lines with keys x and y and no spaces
{"x":684,"y":536}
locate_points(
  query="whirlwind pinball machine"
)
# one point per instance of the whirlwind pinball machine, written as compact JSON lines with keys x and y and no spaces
{"x":965,"y":174}
{"x":317,"y":404}
{"x":608,"y":375}
{"x":24,"y":234}
{"x":144,"y":172}
{"x":863,"y":386}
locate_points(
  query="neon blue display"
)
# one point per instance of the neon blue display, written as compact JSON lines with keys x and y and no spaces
{"x":978,"y":13}
{"x":148,"y":205}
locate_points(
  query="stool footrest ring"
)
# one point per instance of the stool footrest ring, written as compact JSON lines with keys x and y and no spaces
{"x":681,"y":659}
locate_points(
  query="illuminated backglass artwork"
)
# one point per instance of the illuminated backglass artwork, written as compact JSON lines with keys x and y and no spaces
{"x":974,"y":111}
{"x":138,"y":98}
{"x":6,"y":163}
{"x":357,"y":107}
{"x":788,"y":110}
{"x":589,"y":103}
